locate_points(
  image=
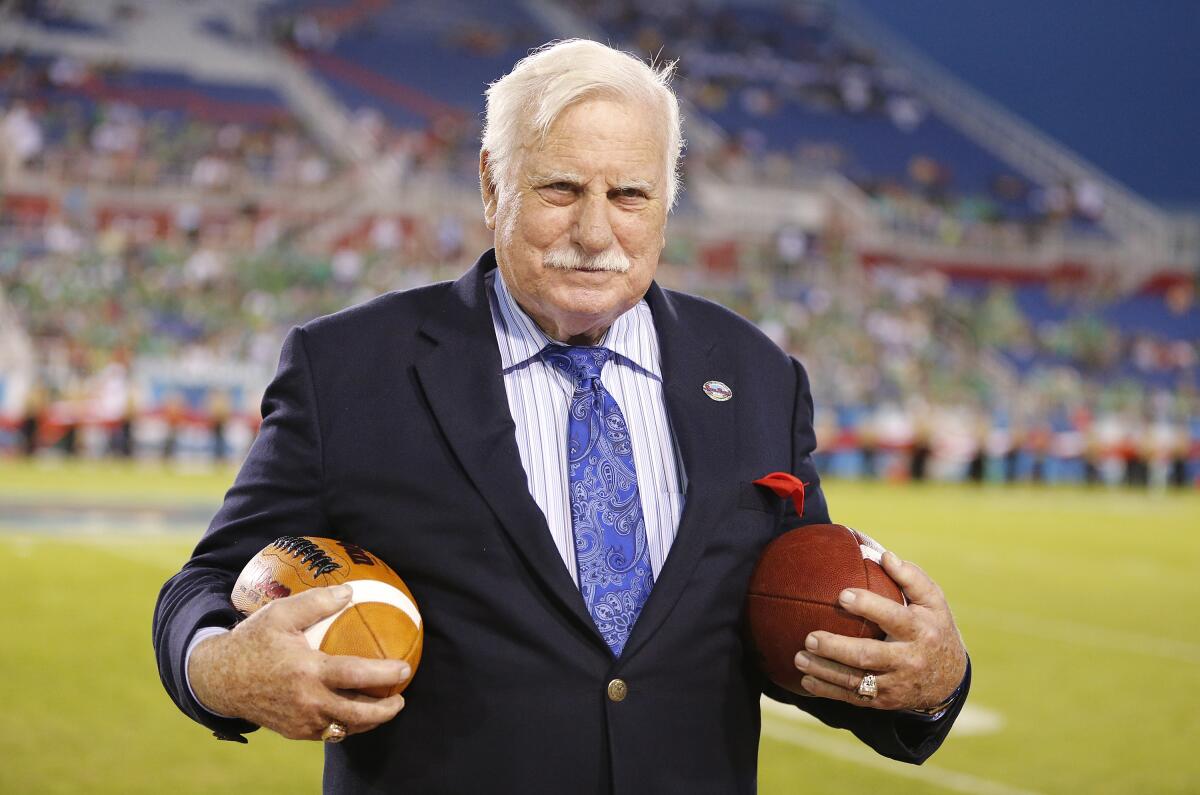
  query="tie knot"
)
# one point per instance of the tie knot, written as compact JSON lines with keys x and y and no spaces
{"x":580,"y":363}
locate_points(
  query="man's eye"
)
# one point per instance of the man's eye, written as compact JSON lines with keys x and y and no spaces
{"x":630,"y":193}
{"x":561,"y":187}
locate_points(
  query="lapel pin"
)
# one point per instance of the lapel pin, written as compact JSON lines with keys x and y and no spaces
{"x":718,"y":391}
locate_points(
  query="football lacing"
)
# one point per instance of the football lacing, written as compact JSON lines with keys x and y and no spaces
{"x":308,"y":553}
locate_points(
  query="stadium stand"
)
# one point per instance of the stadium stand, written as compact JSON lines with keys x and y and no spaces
{"x":154,"y":247}
{"x":91,"y":122}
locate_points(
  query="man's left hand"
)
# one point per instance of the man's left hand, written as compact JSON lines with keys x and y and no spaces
{"x":920,"y":664}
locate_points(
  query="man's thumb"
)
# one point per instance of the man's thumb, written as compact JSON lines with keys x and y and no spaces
{"x":301,"y":611}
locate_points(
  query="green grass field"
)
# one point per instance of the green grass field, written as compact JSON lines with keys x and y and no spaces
{"x":1079,"y":609}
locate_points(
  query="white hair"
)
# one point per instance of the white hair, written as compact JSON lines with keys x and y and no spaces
{"x":527,"y":100}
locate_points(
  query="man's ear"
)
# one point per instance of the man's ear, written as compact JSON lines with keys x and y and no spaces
{"x":488,"y":189}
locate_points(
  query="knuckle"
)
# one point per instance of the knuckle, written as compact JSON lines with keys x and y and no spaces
{"x":309,"y":703}
{"x":930,"y":635}
{"x":326,"y":666}
{"x":303,"y":676}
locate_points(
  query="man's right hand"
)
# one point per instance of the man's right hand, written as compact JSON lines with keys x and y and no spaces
{"x":265,"y":672}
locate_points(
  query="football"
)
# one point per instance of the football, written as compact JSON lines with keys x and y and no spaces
{"x":794,"y":591}
{"x":381,"y":621}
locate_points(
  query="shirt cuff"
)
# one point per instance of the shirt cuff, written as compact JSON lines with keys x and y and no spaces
{"x":947,"y":705}
{"x":201,"y":634}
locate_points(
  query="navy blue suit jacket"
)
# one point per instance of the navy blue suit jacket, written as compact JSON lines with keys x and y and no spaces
{"x":388,"y":424}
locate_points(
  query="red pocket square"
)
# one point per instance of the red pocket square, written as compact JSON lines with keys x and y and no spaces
{"x":785,"y":486}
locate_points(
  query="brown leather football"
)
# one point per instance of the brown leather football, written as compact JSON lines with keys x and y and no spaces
{"x":381,"y":621}
{"x":794,"y":591}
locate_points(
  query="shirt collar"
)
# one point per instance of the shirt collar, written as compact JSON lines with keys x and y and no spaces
{"x":631,"y":337}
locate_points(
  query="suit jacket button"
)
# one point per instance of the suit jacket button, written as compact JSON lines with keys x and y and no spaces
{"x":617,"y":690}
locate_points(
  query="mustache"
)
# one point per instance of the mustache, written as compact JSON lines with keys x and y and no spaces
{"x":569,"y":259}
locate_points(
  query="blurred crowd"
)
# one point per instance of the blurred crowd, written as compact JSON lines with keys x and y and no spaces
{"x":160,"y":345}
{"x":918,"y":375}
{"x":127,"y":320}
{"x":79,"y":122}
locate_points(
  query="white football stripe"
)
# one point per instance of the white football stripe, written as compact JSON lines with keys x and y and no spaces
{"x":365,"y":591}
{"x":870,"y":553}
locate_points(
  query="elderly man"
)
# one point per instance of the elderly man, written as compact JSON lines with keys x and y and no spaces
{"x":557,"y":456}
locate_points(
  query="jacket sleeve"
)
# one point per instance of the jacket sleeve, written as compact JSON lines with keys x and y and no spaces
{"x":278,"y":491}
{"x":804,"y":442}
{"x":897,"y":735}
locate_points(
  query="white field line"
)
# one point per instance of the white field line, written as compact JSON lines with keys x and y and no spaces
{"x":972,"y":721}
{"x":780,"y":725}
{"x":140,"y":548}
{"x":1084,"y":634}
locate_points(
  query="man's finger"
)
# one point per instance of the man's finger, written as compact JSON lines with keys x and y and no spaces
{"x":912,"y":580}
{"x":823,"y":689}
{"x":895,"y":619}
{"x":302,"y":610}
{"x":829,"y":671}
{"x":344,"y":672}
{"x":360,"y":713}
{"x":866,"y":654}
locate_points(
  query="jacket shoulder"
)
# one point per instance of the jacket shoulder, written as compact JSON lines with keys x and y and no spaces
{"x":725,"y":324}
{"x":389,"y":316}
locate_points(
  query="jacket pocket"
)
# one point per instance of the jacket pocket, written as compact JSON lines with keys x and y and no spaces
{"x":757,"y":498}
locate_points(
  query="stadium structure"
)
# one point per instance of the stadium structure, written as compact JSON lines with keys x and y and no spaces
{"x":182,"y":182}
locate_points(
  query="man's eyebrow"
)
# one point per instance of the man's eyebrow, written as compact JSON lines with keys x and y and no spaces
{"x":550,"y":177}
{"x":634,"y":184}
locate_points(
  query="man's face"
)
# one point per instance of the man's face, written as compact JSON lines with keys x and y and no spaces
{"x":580,"y":229}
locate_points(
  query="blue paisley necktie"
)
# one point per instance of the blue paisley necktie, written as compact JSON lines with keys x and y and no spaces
{"x":606,"y":512}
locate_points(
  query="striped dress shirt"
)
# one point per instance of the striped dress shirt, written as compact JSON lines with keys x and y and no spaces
{"x":539,"y":396}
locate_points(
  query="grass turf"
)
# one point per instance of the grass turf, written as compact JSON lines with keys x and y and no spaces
{"x":1078,"y":608}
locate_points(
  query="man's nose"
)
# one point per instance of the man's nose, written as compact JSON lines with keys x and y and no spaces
{"x":593,"y":230}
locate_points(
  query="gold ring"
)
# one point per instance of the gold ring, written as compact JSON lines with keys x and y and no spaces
{"x":334,"y":733}
{"x":868,"y":688}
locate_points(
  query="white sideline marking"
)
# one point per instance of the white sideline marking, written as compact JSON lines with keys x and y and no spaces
{"x":938,"y":777}
{"x":1084,"y":634}
{"x":788,"y":729}
{"x":974,"y":721}
{"x":971,"y":722}
{"x":130,"y":548}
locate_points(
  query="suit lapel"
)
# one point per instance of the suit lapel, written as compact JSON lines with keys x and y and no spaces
{"x":704,"y":430}
{"x":462,"y":380}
